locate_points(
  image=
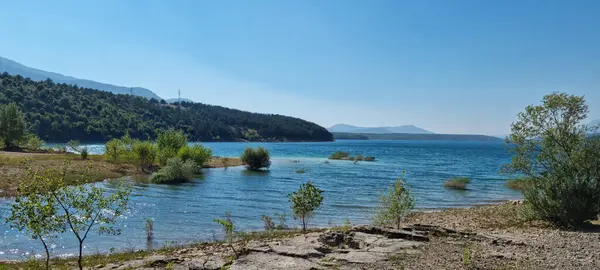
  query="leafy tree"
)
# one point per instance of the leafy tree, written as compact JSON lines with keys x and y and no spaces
{"x":145,"y":153}
{"x":395,"y":205}
{"x":256,"y":159}
{"x":196,"y":153}
{"x":114,"y":149}
{"x":35,"y":212}
{"x":305,"y":201}
{"x":549,"y":146}
{"x":12,"y":125}
{"x":83,"y":206}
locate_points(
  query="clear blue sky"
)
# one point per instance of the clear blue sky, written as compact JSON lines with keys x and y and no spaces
{"x":447,"y":66}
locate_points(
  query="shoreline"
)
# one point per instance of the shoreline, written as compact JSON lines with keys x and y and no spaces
{"x":479,"y":237}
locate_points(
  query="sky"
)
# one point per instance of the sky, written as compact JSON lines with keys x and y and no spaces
{"x":464,"y":66}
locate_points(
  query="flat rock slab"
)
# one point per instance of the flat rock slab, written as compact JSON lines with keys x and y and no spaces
{"x":263,"y":261}
{"x":359,"y":257}
{"x":393,"y":245}
{"x":300,"y":251}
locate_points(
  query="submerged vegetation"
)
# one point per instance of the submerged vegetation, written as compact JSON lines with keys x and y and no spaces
{"x":520,"y":183}
{"x":341,"y":155}
{"x":459,"y":183}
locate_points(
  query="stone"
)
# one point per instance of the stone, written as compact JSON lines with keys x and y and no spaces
{"x":391,"y":233}
{"x":298,"y":250}
{"x":360,"y":257}
{"x":262,"y":261}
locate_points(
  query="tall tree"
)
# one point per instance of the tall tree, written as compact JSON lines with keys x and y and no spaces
{"x":12,"y":125}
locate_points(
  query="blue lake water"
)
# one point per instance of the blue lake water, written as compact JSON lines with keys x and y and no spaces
{"x":184,"y":213}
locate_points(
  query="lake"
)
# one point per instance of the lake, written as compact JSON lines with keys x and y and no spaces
{"x":184,"y":213}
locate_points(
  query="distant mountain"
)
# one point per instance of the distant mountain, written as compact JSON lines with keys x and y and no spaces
{"x":13,"y":68}
{"x":413,"y":137}
{"x":406,"y":129}
{"x":175,"y":100}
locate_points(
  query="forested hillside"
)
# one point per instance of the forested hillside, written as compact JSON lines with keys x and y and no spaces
{"x":59,"y":112}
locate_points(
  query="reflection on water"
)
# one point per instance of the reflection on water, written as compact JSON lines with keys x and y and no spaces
{"x":184,"y":213}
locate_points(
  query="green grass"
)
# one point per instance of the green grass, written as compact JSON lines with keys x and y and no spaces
{"x":458,"y":183}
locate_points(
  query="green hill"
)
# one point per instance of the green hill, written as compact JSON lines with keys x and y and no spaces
{"x":59,"y":112}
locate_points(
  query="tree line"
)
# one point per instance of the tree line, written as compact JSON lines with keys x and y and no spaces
{"x":59,"y":112}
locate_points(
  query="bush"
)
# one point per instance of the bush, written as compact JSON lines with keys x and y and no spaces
{"x":457,"y":183}
{"x":196,"y":153}
{"x":12,"y":126}
{"x":145,"y":153}
{"x":550,"y":146}
{"x":396,"y":205}
{"x":171,"y":139}
{"x":339,"y":155}
{"x":176,"y":171}
{"x":34,"y":143}
{"x":369,"y":158}
{"x":114,"y":149}
{"x":359,"y":157}
{"x":256,"y":159}
{"x":520,"y":183}
{"x":570,"y":195}
{"x":300,"y":171}
{"x":84,"y":153}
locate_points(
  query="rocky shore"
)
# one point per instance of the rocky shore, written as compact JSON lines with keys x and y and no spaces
{"x":485,"y":237}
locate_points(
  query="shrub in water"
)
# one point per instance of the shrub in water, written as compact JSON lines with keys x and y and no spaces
{"x":520,"y":183}
{"x":339,"y":155}
{"x":256,"y":159}
{"x":196,"y":153}
{"x":145,"y":153}
{"x":175,"y":171}
{"x":369,"y":158}
{"x":457,"y":183}
{"x":359,"y":157}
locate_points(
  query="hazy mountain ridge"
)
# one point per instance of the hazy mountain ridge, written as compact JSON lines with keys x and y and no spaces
{"x":14,"y":68}
{"x":406,"y":129}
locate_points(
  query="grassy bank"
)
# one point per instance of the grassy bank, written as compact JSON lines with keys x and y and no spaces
{"x":12,"y":167}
